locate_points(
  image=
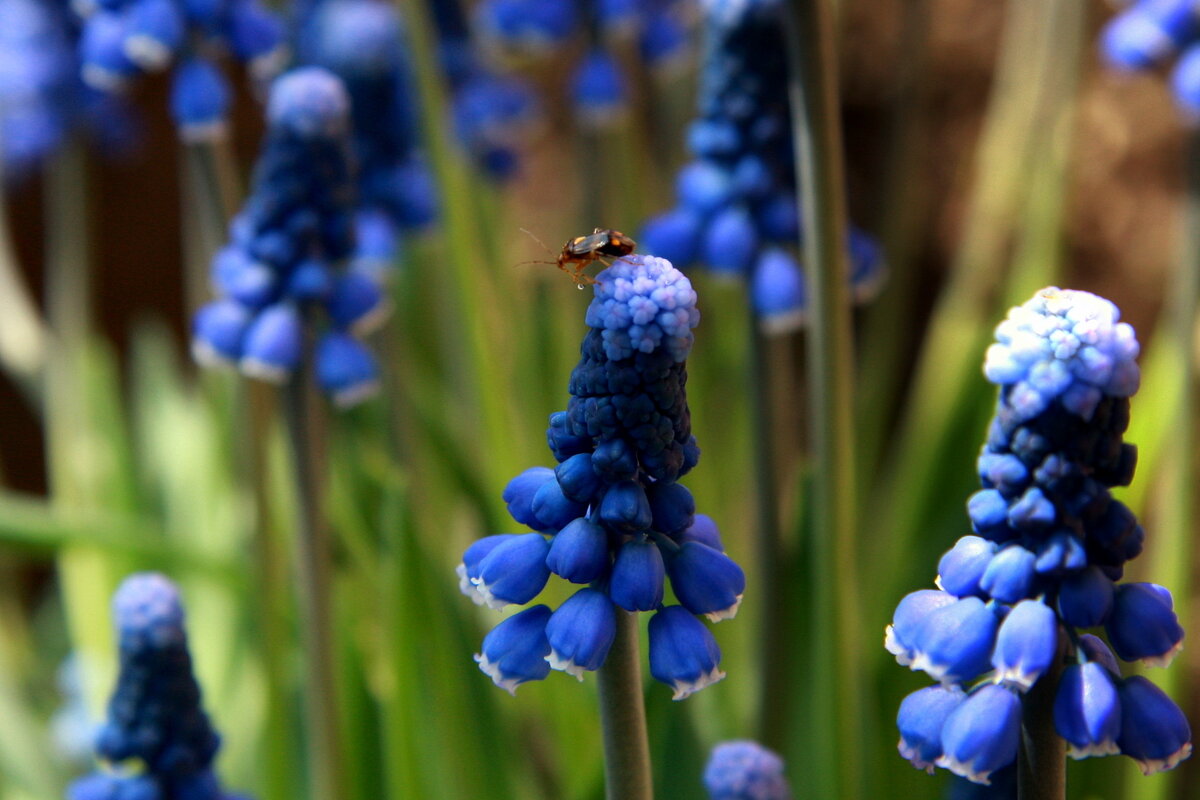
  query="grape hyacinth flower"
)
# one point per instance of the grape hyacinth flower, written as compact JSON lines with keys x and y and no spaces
{"x":157,"y":744}
{"x":1149,"y":33}
{"x":363,"y":43}
{"x":123,"y":39}
{"x":745,"y":770}
{"x":1045,"y":560}
{"x":612,"y":516}
{"x":283,"y":271}
{"x":736,"y":209}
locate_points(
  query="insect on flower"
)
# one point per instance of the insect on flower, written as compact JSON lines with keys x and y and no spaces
{"x":581,"y":251}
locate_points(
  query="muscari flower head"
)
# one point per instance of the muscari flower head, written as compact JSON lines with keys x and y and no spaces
{"x":745,"y":770}
{"x":289,"y":266}
{"x":611,"y":515}
{"x":123,"y":39}
{"x":157,"y":744}
{"x":1148,"y":33}
{"x":736,"y":211}
{"x":1047,"y":553}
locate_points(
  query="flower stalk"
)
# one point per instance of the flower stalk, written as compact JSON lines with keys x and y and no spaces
{"x":627,"y":773}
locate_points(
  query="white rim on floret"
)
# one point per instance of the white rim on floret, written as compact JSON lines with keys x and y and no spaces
{"x":356,"y":393}
{"x":1165,"y":659}
{"x":913,"y":756}
{"x":686,"y":688}
{"x":466,"y":586}
{"x":208,"y":356}
{"x":965,"y":770}
{"x":492,"y":670}
{"x":1106,"y":748}
{"x":271,"y":373}
{"x":1149,"y":766}
{"x":725,"y":613}
{"x":489,"y":599}
{"x":894,"y":646}
{"x":566,"y":665}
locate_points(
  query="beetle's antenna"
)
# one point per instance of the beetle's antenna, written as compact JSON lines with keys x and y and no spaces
{"x":544,"y":247}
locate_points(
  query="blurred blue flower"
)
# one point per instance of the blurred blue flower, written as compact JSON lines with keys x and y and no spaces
{"x":157,"y":743}
{"x":745,"y":770}
{"x":287,"y":272}
{"x":1148,"y":33}
{"x":735,"y":210}
{"x":615,"y":517}
{"x":1048,"y":550}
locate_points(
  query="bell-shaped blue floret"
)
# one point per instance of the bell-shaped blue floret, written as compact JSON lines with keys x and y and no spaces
{"x":867,"y":266}
{"x":910,"y":614}
{"x":920,"y":719}
{"x":703,"y":187}
{"x":105,"y":65}
{"x":1095,"y":649}
{"x":1154,"y":732}
{"x":1146,"y":33}
{"x":954,"y":643}
{"x":672,"y":507}
{"x":252,"y":283}
{"x":1026,"y":644}
{"x":311,"y":279}
{"x":961,"y":568}
{"x":703,"y":530}
{"x":1002,"y":471}
{"x":200,"y":99}
{"x":637,"y":576}
{"x":598,"y":90}
{"x":346,"y":370}
{"x":514,"y":572}
{"x":357,"y":303}
{"x":1085,"y":598}
{"x":519,"y":493}
{"x":777,"y":291}
{"x":706,"y":581}
{"x":552,"y":509}
{"x":673,"y":235}
{"x":515,"y":650}
{"x":309,"y":103}
{"x":154,"y":33}
{"x":730,"y":242}
{"x":981,"y":735}
{"x":1009,"y":575}
{"x":745,"y":770}
{"x":115,"y":786}
{"x":578,"y":481}
{"x":526,"y":26}
{"x":272,"y":347}
{"x":1087,"y":711}
{"x":217,"y":332}
{"x":579,"y":552}
{"x":1143,"y":626}
{"x":683,"y":653}
{"x":988,"y":511}
{"x":468,"y":568}
{"x":1185,"y":82}
{"x":581,"y":631}
{"x":626,"y":508}
{"x":614,"y":460}
{"x":255,"y":35}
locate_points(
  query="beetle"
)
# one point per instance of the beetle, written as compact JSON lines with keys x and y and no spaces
{"x":580,"y":251}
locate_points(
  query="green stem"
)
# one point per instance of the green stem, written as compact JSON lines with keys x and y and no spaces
{"x":837,"y":689}
{"x":623,"y":717}
{"x":313,"y":555}
{"x":1042,"y":758}
{"x":209,"y":199}
{"x":23,"y":336}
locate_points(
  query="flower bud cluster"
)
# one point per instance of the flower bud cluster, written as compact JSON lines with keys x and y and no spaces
{"x":1048,"y":550}
{"x":363,"y":43}
{"x":123,"y":39}
{"x":612,"y":516}
{"x":1149,"y":33}
{"x":286,"y":262}
{"x":736,"y":208}
{"x":745,"y":770}
{"x":158,"y":743}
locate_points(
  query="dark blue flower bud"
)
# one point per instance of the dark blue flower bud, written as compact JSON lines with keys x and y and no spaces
{"x":673,"y":235}
{"x":563,"y":443}
{"x":920,"y":720}
{"x":1143,"y":626}
{"x":614,"y":460}
{"x":704,"y":531}
{"x":577,"y":479}
{"x":579,"y":552}
{"x":954,"y":643}
{"x":154,"y":33}
{"x":468,"y":568}
{"x":1026,"y":644}
{"x":637,"y":576}
{"x":1031,"y":511}
{"x":745,"y":770}
{"x":777,"y":291}
{"x":218,"y":331}
{"x":672,"y":507}
{"x":1095,"y":649}
{"x":1062,"y":552}
{"x":357,"y":303}
{"x":1002,"y":471}
{"x":988,"y":511}
{"x":311,"y":279}
{"x":1009,"y":575}
{"x":346,"y":370}
{"x":1085,"y":598}
{"x":779,"y":219}
{"x":515,"y":650}
{"x":519,"y":493}
{"x":1154,"y":732}
{"x":683,"y":653}
{"x":273,"y":342}
{"x":200,"y":99}
{"x":730,"y":242}
{"x":514,"y":571}
{"x":581,"y":631}
{"x":961,"y":568}
{"x":552,"y":510}
{"x":625,"y":507}
{"x":910,"y":614}
{"x":1087,"y":710}
{"x":706,"y":581}
{"x":981,"y":735}
{"x":709,"y":137}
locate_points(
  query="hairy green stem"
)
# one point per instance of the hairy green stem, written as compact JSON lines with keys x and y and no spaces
{"x":837,"y":687}
{"x":623,"y":717}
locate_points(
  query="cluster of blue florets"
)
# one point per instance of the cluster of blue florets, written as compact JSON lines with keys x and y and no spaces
{"x":362,"y":42}
{"x":736,"y":206}
{"x":1149,"y":33}
{"x":123,"y":39}
{"x":599,"y":85}
{"x":745,"y":770}
{"x":1050,"y":545}
{"x":286,"y":263}
{"x":611,"y":515}
{"x":157,"y":743}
